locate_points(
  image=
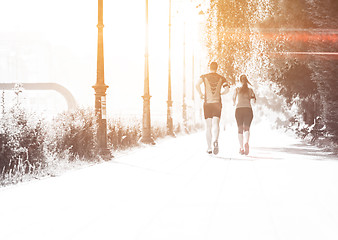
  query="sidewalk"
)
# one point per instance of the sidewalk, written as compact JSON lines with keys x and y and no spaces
{"x":175,"y":191}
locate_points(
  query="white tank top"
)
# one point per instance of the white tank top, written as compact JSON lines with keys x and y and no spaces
{"x":243,"y":99}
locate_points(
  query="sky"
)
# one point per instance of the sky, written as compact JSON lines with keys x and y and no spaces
{"x":64,"y":35}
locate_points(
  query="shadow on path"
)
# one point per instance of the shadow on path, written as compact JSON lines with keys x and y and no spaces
{"x":247,"y":158}
{"x":301,"y":150}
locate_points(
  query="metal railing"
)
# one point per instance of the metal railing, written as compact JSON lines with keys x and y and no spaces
{"x":71,"y":103}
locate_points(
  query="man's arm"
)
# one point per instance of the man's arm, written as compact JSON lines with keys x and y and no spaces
{"x":198,"y":88}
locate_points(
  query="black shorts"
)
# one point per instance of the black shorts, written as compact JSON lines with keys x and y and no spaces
{"x":244,"y":116}
{"x":212,"y":110}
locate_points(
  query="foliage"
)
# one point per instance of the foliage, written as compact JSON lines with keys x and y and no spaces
{"x":73,"y":133}
{"x":123,"y":133}
{"x":22,"y":138}
{"x":33,"y":147}
{"x":249,"y":37}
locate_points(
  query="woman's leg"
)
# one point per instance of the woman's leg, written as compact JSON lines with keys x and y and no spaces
{"x":239,"y":120}
{"x":246,"y":128}
{"x":240,"y":140}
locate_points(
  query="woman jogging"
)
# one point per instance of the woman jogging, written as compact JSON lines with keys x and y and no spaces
{"x":244,"y":115}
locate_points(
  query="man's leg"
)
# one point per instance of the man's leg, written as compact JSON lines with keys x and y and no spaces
{"x":215,"y":124}
{"x":215,"y":133}
{"x":208,"y":122}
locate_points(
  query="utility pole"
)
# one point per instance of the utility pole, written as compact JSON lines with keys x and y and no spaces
{"x":100,"y":88}
{"x":170,"y":130}
{"x":146,"y":122}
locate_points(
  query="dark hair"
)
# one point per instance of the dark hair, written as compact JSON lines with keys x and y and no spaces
{"x":213,"y":66}
{"x":245,"y":81}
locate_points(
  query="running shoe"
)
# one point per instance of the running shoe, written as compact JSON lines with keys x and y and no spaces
{"x":216,"y":149}
{"x":246,"y":148}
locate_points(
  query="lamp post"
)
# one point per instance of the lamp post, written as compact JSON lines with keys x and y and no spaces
{"x":146,"y":122}
{"x":193,"y":74}
{"x":193,"y":84}
{"x":170,"y":130}
{"x":100,"y":87}
{"x":184,"y":105}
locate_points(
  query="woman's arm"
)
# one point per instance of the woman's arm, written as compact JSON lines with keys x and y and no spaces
{"x":225,"y":90}
{"x":225,"y":86}
{"x":234,"y":97}
{"x":253,"y":96}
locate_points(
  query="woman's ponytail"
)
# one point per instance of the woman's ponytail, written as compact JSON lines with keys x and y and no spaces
{"x":244,"y":81}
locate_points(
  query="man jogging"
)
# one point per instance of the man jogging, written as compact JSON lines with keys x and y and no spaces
{"x":213,"y":83}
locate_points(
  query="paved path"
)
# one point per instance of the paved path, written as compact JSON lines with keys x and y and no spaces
{"x":284,"y":190}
